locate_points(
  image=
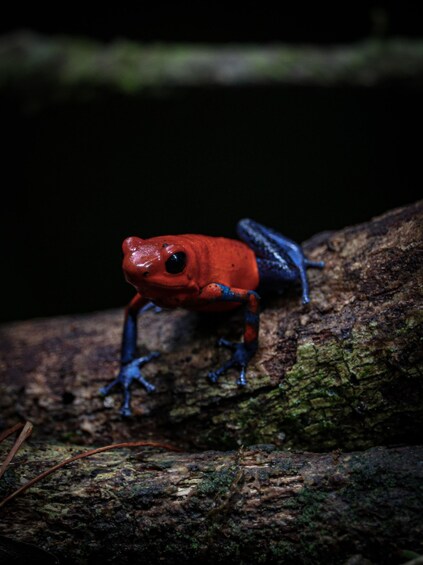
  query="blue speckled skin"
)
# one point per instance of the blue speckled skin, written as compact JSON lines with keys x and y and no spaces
{"x":279,"y":261}
{"x":244,"y":351}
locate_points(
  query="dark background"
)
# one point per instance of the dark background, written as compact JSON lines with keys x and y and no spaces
{"x":79,"y":177}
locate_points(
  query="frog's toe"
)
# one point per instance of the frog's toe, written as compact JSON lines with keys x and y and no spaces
{"x":126,"y":411}
{"x":222,"y":342}
{"x":214,"y":375}
{"x":242,"y":379}
{"x":148,"y":386}
{"x":305,"y":299}
{"x":105,"y":390}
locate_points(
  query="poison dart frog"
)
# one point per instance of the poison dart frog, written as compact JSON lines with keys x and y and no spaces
{"x":203,"y":273}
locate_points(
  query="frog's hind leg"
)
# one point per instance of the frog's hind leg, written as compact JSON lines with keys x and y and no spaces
{"x":279,"y":259}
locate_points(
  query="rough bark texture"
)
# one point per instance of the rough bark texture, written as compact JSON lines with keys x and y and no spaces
{"x":37,"y":66}
{"x":254,"y":506}
{"x":345,"y":372}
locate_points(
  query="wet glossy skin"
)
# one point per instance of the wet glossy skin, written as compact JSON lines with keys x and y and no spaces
{"x":208,"y":259}
{"x":204,"y":273}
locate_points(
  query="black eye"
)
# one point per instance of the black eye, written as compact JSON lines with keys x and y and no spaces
{"x":176,"y":263}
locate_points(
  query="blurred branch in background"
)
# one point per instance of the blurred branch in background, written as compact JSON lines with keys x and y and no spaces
{"x":62,"y":66}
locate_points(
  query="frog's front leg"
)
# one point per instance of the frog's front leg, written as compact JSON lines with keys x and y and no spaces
{"x":130,"y":364}
{"x":244,"y":351}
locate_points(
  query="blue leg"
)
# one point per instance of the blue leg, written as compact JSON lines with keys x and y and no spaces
{"x":244,"y":351}
{"x":279,"y":259}
{"x":130,"y":364}
{"x":129,"y":336}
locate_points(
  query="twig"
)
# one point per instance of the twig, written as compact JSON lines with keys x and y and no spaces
{"x":82,"y":456}
{"x":4,"y":435}
{"x":25,"y":433}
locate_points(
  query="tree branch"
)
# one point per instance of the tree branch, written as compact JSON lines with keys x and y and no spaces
{"x":60,"y":67}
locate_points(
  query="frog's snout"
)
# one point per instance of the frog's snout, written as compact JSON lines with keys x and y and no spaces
{"x":131,"y":244}
{"x":141,"y":259}
{"x":131,"y":248}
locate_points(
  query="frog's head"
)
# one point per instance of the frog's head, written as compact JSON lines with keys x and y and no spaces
{"x":159,"y":262}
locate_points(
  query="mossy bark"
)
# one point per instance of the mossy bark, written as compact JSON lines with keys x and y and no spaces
{"x":344,"y":372}
{"x":249,"y":506}
{"x":55,"y":68}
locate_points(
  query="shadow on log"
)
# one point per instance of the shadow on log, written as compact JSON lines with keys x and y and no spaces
{"x":344,"y":372}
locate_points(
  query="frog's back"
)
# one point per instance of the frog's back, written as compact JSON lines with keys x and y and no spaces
{"x":220,"y":260}
{"x":225,"y":261}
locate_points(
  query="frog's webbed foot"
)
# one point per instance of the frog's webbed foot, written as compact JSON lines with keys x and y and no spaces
{"x":127,"y":374}
{"x":241,"y":356}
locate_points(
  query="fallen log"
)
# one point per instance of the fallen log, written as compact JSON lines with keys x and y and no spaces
{"x":247,"y":506}
{"x":344,"y":372}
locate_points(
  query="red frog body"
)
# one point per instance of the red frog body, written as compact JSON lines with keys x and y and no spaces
{"x":204,"y":273}
{"x":208,"y":260}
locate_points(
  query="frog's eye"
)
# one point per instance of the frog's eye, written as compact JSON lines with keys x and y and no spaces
{"x":176,"y":263}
